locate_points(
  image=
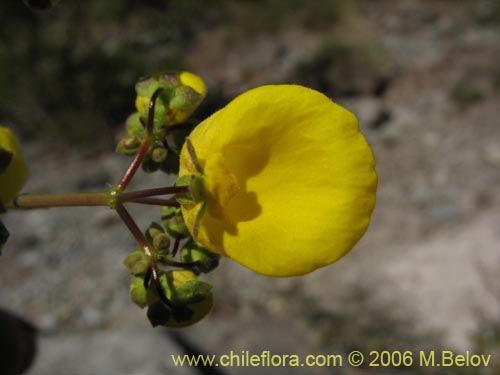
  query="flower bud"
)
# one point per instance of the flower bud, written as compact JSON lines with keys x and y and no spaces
{"x":161,"y":242}
{"x":207,"y":260}
{"x":175,"y":227}
{"x":185,"y":98}
{"x":169,"y":212}
{"x":182,"y":287}
{"x":153,"y":230}
{"x":128,"y":145}
{"x":134,"y":126}
{"x":141,"y":296}
{"x":181,"y":95}
{"x":159,"y":154}
{"x":137,"y":263}
{"x":192,"y":300}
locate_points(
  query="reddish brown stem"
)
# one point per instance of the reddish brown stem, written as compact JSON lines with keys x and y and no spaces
{"x":134,"y":229}
{"x":141,"y":153}
{"x":134,"y":165}
{"x":134,"y":195}
{"x":156,"y":202}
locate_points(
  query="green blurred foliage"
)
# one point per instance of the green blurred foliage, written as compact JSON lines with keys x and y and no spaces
{"x":68,"y":73}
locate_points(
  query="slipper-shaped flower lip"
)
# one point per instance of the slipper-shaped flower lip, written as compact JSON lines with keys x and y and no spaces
{"x":290,"y":181}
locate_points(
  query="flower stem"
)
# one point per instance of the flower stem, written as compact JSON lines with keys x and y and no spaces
{"x":134,"y":165}
{"x":156,"y":202}
{"x":60,"y":200}
{"x":141,"y":153}
{"x":134,"y":195}
{"x":134,"y":229}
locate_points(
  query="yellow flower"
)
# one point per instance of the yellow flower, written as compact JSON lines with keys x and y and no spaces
{"x":290,"y":182}
{"x":12,"y":179}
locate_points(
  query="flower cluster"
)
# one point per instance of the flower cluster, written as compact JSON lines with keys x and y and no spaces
{"x":281,"y":180}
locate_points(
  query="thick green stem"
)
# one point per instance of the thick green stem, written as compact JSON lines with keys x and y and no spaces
{"x":60,"y":200}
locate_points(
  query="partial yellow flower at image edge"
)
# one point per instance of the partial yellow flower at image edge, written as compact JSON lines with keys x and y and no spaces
{"x":289,"y":178}
{"x":14,"y":176}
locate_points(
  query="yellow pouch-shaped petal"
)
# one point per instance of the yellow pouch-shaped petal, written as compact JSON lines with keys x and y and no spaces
{"x":13,"y":177}
{"x":305,"y":176}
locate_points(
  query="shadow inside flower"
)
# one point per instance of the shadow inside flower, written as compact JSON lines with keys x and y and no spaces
{"x":244,"y":161}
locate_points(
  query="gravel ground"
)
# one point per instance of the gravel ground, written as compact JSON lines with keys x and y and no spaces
{"x":421,"y":277}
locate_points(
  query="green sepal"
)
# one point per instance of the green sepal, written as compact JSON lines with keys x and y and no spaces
{"x":168,"y":212}
{"x":128,"y":145}
{"x":190,"y":291}
{"x":153,"y":230}
{"x":169,"y":79}
{"x":134,"y":126}
{"x":185,"y":98}
{"x":5,"y":159}
{"x":196,"y":189}
{"x":176,"y":227}
{"x":141,"y":295}
{"x":159,"y":154}
{"x":207,"y":261}
{"x":161,"y":242}
{"x":137,"y":263}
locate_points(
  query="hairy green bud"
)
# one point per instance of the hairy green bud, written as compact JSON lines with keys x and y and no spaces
{"x":137,"y":263}
{"x":141,"y":295}
{"x":206,"y":260}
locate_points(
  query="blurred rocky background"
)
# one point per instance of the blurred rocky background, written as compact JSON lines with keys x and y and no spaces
{"x":422,"y":76}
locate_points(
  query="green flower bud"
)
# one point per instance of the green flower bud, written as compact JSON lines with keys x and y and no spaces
{"x":141,"y":296}
{"x":192,"y":300}
{"x":182,"y":287}
{"x":128,"y":145}
{"x":161,"y":242}
{"x":137,"y":263}
{"x":181,"y":95}
{"x":196,"y":189}
{"x":185,"y":98}
{"x":169,"y":212}
{"x":159,"y":154}
{"x":169,"y":79}
{"x":207,"y":260}
{"x":134,"y":126}
{"x":175,"y":227}
{"x":153,"y":230}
